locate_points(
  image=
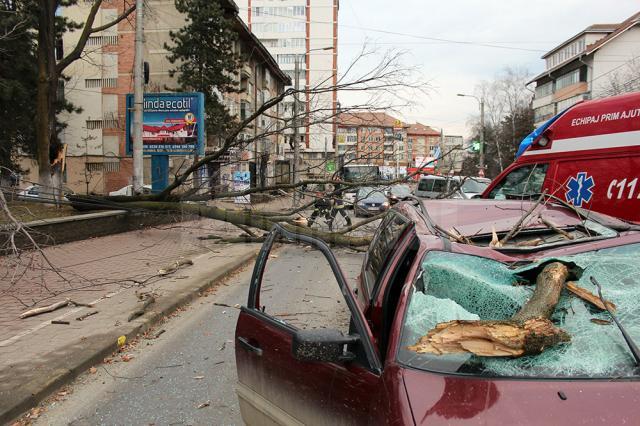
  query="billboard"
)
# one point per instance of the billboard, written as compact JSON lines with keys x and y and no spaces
{"x":173,"y":123}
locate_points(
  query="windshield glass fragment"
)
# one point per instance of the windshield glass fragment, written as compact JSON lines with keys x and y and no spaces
{"x":463,"y":287}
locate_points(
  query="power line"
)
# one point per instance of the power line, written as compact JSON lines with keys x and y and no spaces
{"x":422,"y":37}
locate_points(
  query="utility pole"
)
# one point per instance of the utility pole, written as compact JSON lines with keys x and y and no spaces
{"x":296,"y":145}
{"x":138,"y":100}
{"x":481,"y":166}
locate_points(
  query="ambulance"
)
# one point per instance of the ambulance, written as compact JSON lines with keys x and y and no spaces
{"x":588,"y":155}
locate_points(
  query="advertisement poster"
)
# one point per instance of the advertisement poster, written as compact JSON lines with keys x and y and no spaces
{"x":173,"y":123}
{"x":242,"y":181}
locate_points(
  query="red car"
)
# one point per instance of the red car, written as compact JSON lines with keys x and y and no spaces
{"x":436,"y":262}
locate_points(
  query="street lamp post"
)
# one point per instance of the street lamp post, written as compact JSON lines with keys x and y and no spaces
{"x":481,"y":166}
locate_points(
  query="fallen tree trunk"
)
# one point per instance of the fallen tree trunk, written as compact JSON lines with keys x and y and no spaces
{"x":528,"y":332}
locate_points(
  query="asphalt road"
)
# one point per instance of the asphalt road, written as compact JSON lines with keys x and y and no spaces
{"x":187,"y":375}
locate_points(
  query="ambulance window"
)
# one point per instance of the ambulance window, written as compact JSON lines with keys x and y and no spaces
{"x":522,"y":182}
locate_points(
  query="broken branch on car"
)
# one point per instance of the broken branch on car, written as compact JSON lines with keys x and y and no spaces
{"x":528,"y":332}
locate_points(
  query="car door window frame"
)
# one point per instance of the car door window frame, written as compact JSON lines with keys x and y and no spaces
{"x":370,"y":288}
{"x":357,"y":317}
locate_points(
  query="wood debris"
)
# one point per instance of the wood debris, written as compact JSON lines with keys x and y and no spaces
{"x":174,"y":266}
{"x":45,"y":309}
{"x":147,"y":300}
{"x":528,"y":332}
{"x":587,"y":296}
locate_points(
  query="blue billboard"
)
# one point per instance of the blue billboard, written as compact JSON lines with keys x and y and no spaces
{"x":173,"y":124}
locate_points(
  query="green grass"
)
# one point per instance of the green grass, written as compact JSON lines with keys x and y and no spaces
{"x":26,"y":211}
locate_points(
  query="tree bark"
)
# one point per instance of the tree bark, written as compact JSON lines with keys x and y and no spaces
{"x":528,"y":332}
{"x":47,"y":87}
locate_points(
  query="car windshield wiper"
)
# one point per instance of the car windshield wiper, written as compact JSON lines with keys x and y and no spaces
{"x":627,"y":338}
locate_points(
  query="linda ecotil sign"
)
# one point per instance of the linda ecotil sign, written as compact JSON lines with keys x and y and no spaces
{"x":172,"y":123}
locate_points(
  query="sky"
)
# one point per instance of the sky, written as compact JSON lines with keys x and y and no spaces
{"x":523,"y":30}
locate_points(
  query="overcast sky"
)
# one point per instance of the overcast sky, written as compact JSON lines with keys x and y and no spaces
{"x":527,"y":28}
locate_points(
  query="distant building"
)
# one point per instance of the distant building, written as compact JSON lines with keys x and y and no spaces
{"x":306,"y":31}
{"x":96,"y":157}
{"x":422,"y":141}
{"x":452,"y":154}
{"x":372,"y":138}
{"x":602,"y":60}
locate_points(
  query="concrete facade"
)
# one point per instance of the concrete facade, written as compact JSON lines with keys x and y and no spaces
{"x":307,"y":31}
{"x":99,"y":84}
{"x":598,"y":62}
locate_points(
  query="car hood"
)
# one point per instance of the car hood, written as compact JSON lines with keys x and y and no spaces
{"x":444,"y":400}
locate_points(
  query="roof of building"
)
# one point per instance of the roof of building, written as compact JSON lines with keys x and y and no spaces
{"x":613,"y":31}
{"x":422,"y":130}
{"x":373,"y":119}
{"x":260,"y":49}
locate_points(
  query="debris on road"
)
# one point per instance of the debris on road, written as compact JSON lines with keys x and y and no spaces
{"x":121,"y":341}
{"x":53,"y":307}
{"x":198,"y":377}
{"x":147,"y":300}
{"x":174,"y":266}
{"x":60,"y":322}
{"x":45,"y":309}
{"x":204,"y":404}
{"x":85,"y":316}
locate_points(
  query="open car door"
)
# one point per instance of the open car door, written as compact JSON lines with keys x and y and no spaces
{"x":294,"y":371}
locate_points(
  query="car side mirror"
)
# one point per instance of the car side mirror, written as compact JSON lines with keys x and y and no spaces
{"x":322,"y":345}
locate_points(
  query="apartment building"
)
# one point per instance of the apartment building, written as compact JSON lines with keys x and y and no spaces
{"x":96,"y":156}
{"x":372,"y":138}
{"x":305,"y":31}
{"x":452,"y":154}
{"x":422,"y":141}
{"x":602,"y":60}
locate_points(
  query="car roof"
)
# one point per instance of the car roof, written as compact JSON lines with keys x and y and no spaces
{"x":432,"y":177}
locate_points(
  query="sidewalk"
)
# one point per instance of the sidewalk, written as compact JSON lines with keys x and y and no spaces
{"x":36,"y":356}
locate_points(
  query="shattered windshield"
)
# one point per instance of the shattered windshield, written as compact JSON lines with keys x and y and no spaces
{"x":461,"y":287}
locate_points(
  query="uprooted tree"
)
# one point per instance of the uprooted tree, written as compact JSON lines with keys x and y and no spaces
{"x":381,"y":88}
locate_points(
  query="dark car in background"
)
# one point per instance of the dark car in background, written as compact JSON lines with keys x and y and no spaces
{"x":370,"y":201}
{"x":417,"y":275}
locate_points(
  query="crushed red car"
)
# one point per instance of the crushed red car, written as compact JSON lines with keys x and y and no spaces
{"x":437,"y":261}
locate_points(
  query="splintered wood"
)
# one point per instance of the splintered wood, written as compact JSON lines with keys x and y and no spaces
{"x":528,"y":332}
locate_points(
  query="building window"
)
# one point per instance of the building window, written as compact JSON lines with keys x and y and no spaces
{"x":568,"y":79}
{"x":544,"y":90}
{"x":91,"y":83}
{"x":291,"y":59}
{"x":543,"y":113}
{"x":566,"y":103}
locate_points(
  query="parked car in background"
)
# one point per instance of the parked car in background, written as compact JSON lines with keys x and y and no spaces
{"x":38,"y":191}
{"x":463,"y":187}
{"x":397,"y":193}
{"x":415,"y":277}
{"x":471,"y":187}
{"x":128,"y":191}
{"x":589,"y":155}
{"x":370,"y":201}
{"x":431,"y":186}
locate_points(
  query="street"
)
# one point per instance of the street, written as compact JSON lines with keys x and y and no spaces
{"x":191,"y":365}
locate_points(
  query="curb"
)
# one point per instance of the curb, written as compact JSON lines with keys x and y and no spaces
{"x":95,"y":348}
